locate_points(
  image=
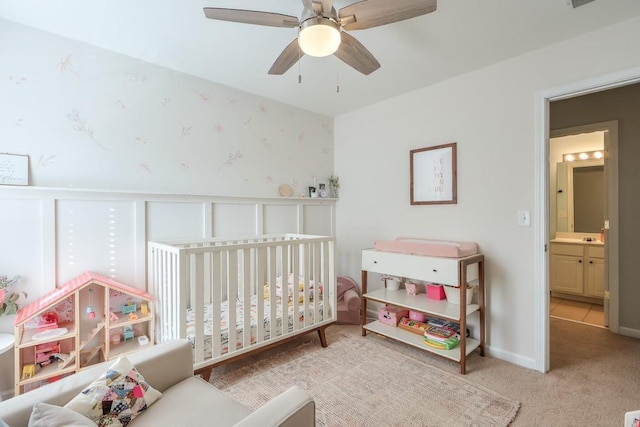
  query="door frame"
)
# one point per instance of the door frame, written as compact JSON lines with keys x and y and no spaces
{"x":541,"y":197}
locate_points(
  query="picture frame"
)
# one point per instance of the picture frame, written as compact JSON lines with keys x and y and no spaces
{"x":433,"y":173}
{"x":14,"y":169}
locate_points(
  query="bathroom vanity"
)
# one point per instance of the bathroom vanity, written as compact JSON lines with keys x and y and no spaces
{"x":577,"y":269}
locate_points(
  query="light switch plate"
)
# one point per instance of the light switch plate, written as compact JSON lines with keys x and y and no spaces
{"x":524,"y":218}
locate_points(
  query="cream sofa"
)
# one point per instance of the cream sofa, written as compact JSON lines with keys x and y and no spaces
{"x":186,"y":400}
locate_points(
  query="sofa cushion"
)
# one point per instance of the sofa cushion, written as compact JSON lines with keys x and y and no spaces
{"x":193,"y":402}
{"x":45,"y":415}
{"x":116,"y":397}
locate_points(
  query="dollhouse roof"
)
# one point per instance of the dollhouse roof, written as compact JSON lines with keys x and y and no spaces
{"x":57,"y":295}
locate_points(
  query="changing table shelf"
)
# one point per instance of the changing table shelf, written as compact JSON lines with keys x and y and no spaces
{"x":415,"y":340}
{"x":442,"y":309}
{"x":449,"y":271}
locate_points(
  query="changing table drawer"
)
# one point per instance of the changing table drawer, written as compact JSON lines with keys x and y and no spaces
{"x":419,"y":267}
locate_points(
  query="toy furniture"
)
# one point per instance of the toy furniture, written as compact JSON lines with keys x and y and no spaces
{"x":59,"y":322}
{"x":128,"y":308}
{"x":186,"y":399}
{"x":128,"y":332}
{"x":28,"y":371}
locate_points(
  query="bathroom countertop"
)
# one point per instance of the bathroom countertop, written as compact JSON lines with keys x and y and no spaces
{"x":577,"y":241}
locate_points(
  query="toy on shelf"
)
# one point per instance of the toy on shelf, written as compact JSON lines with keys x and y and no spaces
{"x":48,"y":320}
{"x":112,"y":316}
{"x":28,"y":371}
{"x":90,"y":311}
{"x":115,"y":338}
{"x":129,"y":307}
{"x":45,"y":353}
{"x":411,"y":287}
{"x":144,"y":309}
{"x":128,"y":333}
{"x":133,"y":316}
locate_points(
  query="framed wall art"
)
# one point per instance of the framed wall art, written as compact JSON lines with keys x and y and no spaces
{"x":14,"y":169}
{"x":434,"y":175}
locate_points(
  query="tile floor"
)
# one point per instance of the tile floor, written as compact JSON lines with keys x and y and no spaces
{"x":577,"y":311}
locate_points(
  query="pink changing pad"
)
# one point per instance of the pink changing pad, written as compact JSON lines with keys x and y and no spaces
{"x":427,"y":247}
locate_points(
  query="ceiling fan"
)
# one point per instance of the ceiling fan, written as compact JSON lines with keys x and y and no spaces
{"x":321,"y":30}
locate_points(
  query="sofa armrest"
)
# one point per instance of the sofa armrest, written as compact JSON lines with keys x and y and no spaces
{"x":292,"y":408}
{"x":352,"y":299}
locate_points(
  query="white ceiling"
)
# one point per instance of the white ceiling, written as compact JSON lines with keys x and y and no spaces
{"x":462,"y":35}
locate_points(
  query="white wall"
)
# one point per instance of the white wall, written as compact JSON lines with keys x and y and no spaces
{"x":90,"y":118}
{"x":490,"y":113}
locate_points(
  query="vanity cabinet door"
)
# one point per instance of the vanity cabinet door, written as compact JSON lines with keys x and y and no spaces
{"x":595,"y":278}
{"x":567,"y":274}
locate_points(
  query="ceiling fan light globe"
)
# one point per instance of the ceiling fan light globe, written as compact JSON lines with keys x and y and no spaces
{"x":319,"y":37}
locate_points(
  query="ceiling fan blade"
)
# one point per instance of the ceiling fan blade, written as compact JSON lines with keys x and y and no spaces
{"x":289,"y":56}
{"x":251,"y":17}
{"x":354,"y":54}
{"x":373,"y":13}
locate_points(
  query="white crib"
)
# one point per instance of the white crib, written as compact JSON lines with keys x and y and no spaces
{"x":196,"y":282}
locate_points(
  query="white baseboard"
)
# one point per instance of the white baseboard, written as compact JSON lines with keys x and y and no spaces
{"x":507,"y":356}
{"x":628,"y":332}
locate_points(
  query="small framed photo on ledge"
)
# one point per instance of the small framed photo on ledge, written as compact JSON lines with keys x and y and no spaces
{"x":14,"y":169}
{"x":434,"y":175}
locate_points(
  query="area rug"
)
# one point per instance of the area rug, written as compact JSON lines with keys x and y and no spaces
{"x":356,"y":381}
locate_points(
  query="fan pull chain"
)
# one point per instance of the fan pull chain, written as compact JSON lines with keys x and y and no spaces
{"x":337,"y":77}
{"x":299,"y":71}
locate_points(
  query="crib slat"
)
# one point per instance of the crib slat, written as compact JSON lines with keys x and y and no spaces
{"x":198,"y":278}
{"x":245,"y":268}
{"x":294,"y":312}
{"x":273,"y":260}
{"x":261,"y":274}
{"x":216,"y":300}
{"x":180,"y":293}
{"x":232,"y":294}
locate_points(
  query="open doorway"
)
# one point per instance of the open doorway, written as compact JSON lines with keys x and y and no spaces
{"x":609,"y":100}
{"x":581,"y":170}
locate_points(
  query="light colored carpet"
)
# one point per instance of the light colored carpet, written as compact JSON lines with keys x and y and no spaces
{"x":356,"y":381}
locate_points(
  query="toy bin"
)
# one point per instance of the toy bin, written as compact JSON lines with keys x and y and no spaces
{"x":391,"y":315}
{"x":453,"y":294}
{"x":435,"y":291}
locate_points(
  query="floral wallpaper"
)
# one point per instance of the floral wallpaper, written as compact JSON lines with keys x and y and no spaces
{"x":95,"y":119}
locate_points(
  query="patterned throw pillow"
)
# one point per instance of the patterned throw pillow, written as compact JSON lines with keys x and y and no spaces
{"x":117,"y":397}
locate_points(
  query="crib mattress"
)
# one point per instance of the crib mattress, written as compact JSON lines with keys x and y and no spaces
{"x":427,"y":247}
{"x":239,"y":329}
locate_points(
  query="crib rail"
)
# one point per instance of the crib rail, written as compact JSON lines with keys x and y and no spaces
{"x":198,"y":283}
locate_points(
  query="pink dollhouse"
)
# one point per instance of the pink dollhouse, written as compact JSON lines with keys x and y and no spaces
{"x":78,"y":324}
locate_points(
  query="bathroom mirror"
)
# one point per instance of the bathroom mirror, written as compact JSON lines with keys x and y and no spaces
{"x":580,"y":196}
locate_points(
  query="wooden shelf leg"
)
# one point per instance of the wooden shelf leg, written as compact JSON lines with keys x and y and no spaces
{"x":363,"y":308}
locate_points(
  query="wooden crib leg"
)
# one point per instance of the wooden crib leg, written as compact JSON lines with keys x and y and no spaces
{"x":204,"y":373}
{"x":322,"y":335}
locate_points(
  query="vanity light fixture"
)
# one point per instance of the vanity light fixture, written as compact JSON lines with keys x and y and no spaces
{"x":587,"y":155}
